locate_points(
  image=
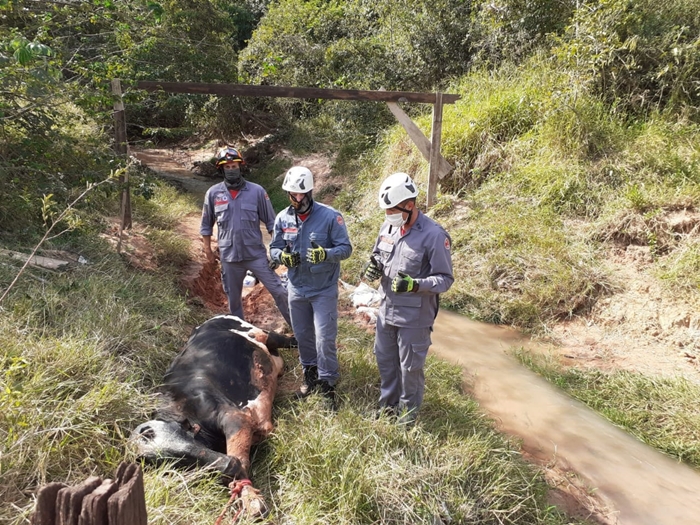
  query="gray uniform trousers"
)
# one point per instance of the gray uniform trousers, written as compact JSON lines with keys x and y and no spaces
{"x":233,"y":274}
{"x":401,"y":352}
{"x":315,"y":324}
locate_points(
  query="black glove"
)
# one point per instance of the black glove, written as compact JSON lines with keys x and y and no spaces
{"x":289,"y":258}
{"x":403,"y":283}
{"x":272,"y":264}
{"x":373,"y":269}
{"x":316,"y":254}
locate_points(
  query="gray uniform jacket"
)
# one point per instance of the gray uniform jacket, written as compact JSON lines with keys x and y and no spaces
{"x":326,"y":227}
{"x":238,"y":220}
{"x":424,"y":254}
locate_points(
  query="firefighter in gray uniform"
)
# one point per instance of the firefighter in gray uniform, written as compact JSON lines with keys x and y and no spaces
{"x":311,"y":239}
{"x":412,"y":258}
{"x":238,"y":207}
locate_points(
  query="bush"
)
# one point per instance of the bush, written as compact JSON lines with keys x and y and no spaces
{"x":640,"y":55}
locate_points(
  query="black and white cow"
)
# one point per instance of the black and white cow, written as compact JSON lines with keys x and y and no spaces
{"x":218,"y":396}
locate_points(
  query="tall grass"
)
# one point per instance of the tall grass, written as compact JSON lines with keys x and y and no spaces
{"x":547,"y":178}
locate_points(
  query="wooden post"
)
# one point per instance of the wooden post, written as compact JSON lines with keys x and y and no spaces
{"x":420,"y":140}
{"x":435,"y":150}
{"x":120,"y":147}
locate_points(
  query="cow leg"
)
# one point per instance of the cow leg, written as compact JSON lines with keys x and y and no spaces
{"x":164,"y":440}
{"x":239,"y":429}
{"x":261,"y":414}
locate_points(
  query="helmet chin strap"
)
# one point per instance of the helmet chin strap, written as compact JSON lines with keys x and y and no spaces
{"x":404,"y":210}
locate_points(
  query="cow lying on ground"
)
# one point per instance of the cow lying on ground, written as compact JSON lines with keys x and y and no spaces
{"x":219,"y":392}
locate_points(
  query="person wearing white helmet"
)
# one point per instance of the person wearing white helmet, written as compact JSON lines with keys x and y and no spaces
{"x":238,"y":206}
{"x":310,"y":238}
{"x":412,"y":259}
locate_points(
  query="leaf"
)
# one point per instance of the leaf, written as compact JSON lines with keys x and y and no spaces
{"x":38,"y":49}
{"x":23,"y":56}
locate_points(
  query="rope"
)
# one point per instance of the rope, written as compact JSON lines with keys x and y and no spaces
{"x":236,"y":489}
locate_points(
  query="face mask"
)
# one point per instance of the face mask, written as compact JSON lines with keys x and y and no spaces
{"x":232,"y":176}
{"x":396,"y":219}
{"x":302,"y":206}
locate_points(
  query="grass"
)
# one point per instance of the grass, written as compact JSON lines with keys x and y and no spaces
{"x":661,"y":412}
{"x":545,"y":182}
{"x":82,"y":351}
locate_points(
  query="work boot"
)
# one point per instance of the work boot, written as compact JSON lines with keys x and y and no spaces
{"x":407,"y":417}
{"x":387,"y":411}
{"x":310,"y":383}
{"x":328,"y":391}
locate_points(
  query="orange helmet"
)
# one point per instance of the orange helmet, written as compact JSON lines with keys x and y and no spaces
{"x":228,"y":154}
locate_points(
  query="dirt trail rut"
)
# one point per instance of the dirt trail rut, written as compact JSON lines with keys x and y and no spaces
{"x":638,"y":485}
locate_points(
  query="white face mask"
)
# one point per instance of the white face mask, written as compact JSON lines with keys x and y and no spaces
{"x":396,"y":219}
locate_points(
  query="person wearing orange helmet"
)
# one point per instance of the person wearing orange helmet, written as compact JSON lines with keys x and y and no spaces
{"x":237,"y":207}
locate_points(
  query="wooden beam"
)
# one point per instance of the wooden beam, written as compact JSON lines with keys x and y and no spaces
{"x":435,"y":149}
{"x":241,"y":90}
{"x":37,"y":260}
{"x":420,"y":140}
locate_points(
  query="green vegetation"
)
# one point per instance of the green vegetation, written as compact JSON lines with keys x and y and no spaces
{"x":83,"y":351}
{"x":577,"y":131}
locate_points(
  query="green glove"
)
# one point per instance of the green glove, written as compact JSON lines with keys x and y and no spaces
{"x":316,"y":254}
{"x":372,"y":270}
{"x":404,"y":283}
{"x":290,"y":259}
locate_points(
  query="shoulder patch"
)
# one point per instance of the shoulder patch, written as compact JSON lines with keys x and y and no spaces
{"x":339,"y":219}
{"x":447,"y":243}
{"x":267,"y":196}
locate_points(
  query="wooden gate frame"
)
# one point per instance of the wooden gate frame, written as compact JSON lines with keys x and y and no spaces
{"x":430,"y":149}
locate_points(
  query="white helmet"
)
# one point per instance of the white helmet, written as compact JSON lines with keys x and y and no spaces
{"x":395,"y":189}
{"x":298,"y":180}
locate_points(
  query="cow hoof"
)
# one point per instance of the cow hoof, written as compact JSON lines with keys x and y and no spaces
{"x":254,"y":505}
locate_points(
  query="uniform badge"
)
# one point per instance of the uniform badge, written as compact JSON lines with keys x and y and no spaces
{"x":447,"y":243}
{"x":339,"y":219}
{"x":220,"y":199}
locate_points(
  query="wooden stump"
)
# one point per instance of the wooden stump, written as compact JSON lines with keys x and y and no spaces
{"x":128,"y":505}
{"x":69,"y":501}
{"x":94,"y":502}
{"x":94,"y":511}
{"x":45,"y":513}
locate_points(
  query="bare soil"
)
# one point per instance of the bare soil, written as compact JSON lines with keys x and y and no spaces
{"x":640,"y":327}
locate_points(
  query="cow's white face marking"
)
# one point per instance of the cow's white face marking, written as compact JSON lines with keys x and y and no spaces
{"x":244,"y":324}
{"x":251,"y":338}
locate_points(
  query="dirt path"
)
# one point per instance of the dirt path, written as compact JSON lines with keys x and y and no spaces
{"x":596,"y":471}
{"x":633,"y":483}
